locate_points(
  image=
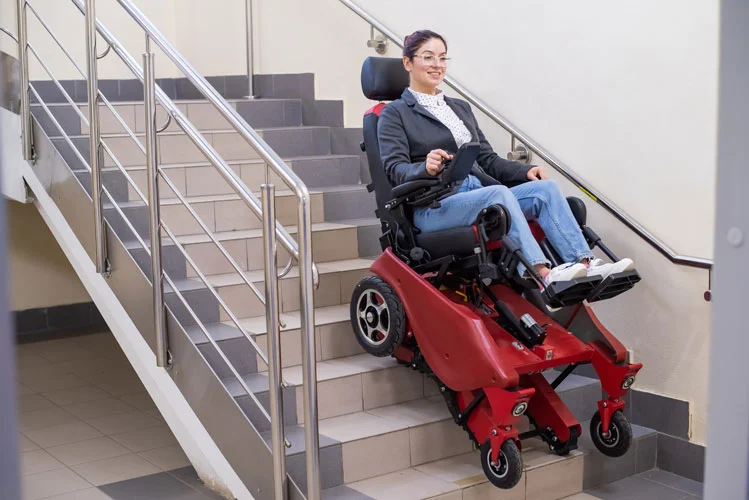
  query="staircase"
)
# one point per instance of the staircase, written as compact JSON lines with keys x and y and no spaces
{"x":385,"y":431}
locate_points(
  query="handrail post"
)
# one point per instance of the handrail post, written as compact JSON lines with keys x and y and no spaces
{"x":250,"y":55}
{"x":154,"y":216}
{"x":268,"y":196}
{"x":94,"y":143}
{"x":309,"y":360}
{"x":23,"y":61}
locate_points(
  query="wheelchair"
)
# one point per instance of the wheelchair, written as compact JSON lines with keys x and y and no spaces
{"x":451,"y":305}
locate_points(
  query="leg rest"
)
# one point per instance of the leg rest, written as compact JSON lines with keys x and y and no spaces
{"x":613,"y":285}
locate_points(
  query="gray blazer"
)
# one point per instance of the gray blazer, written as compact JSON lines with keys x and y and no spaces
{"x":407,"y":132}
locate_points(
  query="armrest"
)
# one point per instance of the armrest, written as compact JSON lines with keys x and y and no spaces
{"x":408,"y":188}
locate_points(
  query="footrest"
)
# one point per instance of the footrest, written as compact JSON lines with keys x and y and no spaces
{"x":567,"y":293}
{"x":613,"y":285}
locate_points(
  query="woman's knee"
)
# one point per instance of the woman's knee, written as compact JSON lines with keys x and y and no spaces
{"x":548,"y":186}
{"x":499,"y":194}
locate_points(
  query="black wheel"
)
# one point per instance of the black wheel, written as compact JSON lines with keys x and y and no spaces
{"x":507,"y":472}
{"x":617,"y":440}
{"x":377,"y":316}
{"x":564,"y":448}
{"x":561,"y":450}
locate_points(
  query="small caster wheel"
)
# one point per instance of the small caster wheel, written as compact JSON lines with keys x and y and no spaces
{"x":564,"y":448}
{"x":507,"y":472}
{"x":561,"y":450}
{"x":617,"y":440}
{"x":377,"y":316}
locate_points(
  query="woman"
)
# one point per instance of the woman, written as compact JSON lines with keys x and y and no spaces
{"x":421,"y":129}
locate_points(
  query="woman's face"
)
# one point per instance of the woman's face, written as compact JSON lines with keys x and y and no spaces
{"x":428,"y":65}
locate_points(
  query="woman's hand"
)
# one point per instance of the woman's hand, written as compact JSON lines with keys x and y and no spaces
{"x":537,"y":174}
{"x":434,"y":163}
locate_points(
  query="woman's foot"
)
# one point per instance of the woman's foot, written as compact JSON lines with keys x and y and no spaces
{"x":598,"y":267}
{"x":565,"y":272}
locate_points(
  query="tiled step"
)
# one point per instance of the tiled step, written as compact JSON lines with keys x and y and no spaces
{"x":258,"y":113}
{"x":546,"y":476}
{"x":337,"y":281}
{"x":220,"y":213}
{"x":348,"y":202}
{"x":332,"y":330}
{"x":368,"y":232}
{"x":177,"y":147}
{"x":330,"y":242}
{"x":203,"y":179}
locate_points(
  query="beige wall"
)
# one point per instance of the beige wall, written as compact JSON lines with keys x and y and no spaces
{"x":40,"y":274}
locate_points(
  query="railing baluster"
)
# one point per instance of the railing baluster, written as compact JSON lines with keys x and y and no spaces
{"x":250,"y":55}
{"x":23,"y":61}
{"x":154,"y":216}
{"x":309,"y":360}
{"x":94,"y":142}
{"x":268,"y":196}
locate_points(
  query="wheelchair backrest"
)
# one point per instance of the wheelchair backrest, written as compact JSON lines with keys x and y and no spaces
{"x":382,"y":79}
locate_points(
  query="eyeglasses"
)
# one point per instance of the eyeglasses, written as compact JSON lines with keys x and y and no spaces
{"x":431,"y":59}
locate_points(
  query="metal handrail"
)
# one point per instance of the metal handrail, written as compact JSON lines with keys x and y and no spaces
{"x":11,"y":35}
{"x":132,"y":135}
{"x":556,"y":164}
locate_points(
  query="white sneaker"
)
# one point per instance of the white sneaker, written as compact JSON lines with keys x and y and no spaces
{"x":566,"y":272}
{"x":598,"y":267}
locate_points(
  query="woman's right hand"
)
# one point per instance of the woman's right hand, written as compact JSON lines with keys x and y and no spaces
{"x":434,"y":163}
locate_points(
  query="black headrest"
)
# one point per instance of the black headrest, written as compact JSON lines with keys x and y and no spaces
{"x":383,"y":78}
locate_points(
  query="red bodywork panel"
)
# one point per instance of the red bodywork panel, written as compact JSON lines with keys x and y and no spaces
{"x":455,"y":342}
{"x":467,"y":349}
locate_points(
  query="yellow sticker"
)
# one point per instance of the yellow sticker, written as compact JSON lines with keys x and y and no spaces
{"x":588,"y":193}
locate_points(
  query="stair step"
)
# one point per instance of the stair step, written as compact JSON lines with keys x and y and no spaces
{"x":330,"y":242}
{"x":337,"y":280}
{"x":259,"y":113}
{"x":546,"y":475}
{"x":348,"y":202}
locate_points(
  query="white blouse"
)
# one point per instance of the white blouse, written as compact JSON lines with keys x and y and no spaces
{"x":437,"y":106}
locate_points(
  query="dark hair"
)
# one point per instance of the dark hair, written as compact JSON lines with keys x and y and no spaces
{"x":415,"y":40}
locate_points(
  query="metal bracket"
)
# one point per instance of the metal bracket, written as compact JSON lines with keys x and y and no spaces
{"x":519,"y":152}
{"x":168,"y":121}
{"x":107,"y":269}
{"x":379,"y":43}
{"x":104,"y":54}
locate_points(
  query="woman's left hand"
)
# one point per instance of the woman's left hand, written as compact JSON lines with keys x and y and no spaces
{"x":537,"y":174}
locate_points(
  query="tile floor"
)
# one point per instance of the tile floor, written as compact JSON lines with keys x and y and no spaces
{"x":89,"y":430}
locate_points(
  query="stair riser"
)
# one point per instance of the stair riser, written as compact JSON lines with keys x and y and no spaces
{"x":328,"y":245}
{"x":333,"y":341}
{"x":342,"y":205}
{"x":335,"y":288}
{"x":179,"y":148}
{"x":114,"y":182}
{"x":203,"y":115}
{"x":204,"y":180}
{"x":233,"y":215}
{"x":207,"y":181}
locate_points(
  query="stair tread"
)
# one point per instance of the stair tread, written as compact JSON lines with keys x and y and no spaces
{"x":236,"y":162}
{"x":326,"y":370}
{"x":255,"y":325}
{"x":175,"y":101}
{"x":256,"y":233}
{"x":258,"y":275}
{"x":209,"y":131}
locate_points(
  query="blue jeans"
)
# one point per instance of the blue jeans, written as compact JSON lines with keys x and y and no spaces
{"x":537,"y":200}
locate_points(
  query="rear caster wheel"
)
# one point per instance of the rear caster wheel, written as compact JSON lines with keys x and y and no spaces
{"x":616,"y":440}
{"x":508,"y":469}
{"x":377,"y":316}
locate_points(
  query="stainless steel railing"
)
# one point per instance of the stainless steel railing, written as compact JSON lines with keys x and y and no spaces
{"x":300,"y":252}
{"x":518,"y":136}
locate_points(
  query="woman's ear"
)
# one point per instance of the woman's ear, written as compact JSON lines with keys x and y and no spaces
{"x":407,"y":63}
